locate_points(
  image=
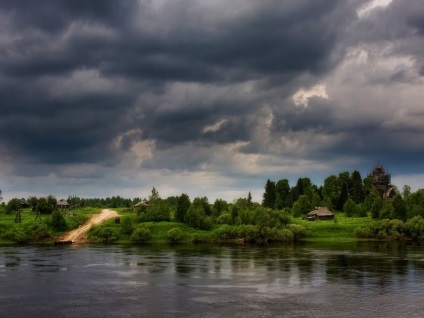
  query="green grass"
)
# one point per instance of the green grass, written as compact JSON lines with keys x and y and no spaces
{"x":79,"y":216}
{"x":340,"y":229}
{"x":159,"y":231}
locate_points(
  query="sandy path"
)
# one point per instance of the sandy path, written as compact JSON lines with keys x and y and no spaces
{"x":78,"y":235}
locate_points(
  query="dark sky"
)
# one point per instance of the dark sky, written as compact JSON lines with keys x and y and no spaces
{"x":209,"y":98}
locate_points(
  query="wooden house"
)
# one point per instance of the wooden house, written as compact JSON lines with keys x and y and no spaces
{"x":320,"y":213}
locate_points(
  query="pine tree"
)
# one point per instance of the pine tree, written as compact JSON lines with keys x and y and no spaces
{"x":183,"y":204}
{"x":269,"y":195}
{"x":357,"y":192}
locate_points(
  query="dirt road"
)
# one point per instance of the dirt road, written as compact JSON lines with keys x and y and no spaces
{"x":78,"y":235}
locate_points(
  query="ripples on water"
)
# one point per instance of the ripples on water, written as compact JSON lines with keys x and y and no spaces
{"x":353,"y":280}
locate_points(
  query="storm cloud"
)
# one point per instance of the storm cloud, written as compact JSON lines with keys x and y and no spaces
{"x":211,"y":98}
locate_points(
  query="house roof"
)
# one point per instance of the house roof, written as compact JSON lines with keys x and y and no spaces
{"x":141,"y":203}
{"x":320,"y":211}
{"x":62,"y":202}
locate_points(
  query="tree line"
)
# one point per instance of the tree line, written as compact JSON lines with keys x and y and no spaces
{"x":346,"y":192}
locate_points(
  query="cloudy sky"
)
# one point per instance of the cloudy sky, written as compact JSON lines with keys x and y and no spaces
{"x":209,"y":98}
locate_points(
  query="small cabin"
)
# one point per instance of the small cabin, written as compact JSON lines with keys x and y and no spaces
{"x":62,"y":204}
{"x":320,"y":213}
{"x":143,"y":203}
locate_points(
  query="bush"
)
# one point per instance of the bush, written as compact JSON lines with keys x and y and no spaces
{"x":104,"y":234}
{"x":37,"y":232}
{"x":363,"y":232}
{"x":248,"y":232}
{"x":298,"y":231}
{"x":175,"y":234}
{"x":414,"y":228}
{"x":285,"y":235}
{"x":227,"y":232}
{"x":13,"y":206}
{"x":17,"y":235}
{"x":141,"y":234}
{"x":58,"y":221}
{"x":198,"y":238}
{"x":224,"y":218}
{"x":127,"y":225}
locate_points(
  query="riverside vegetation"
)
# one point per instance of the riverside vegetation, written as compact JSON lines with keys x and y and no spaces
{"x":362,"y":211}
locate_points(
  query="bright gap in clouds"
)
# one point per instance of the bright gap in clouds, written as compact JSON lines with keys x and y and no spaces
{"x":214,"y":127}
{"x":302,"y":96}
{"x":368,"y":7}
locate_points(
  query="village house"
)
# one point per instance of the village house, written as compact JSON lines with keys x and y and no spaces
{"x":62,"y":204}
{"x":320,"y":213}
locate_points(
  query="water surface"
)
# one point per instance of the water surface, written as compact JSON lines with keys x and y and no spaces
{"x":310,"y":280}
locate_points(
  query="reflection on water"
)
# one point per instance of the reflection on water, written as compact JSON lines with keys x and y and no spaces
{"x":309,"y":280}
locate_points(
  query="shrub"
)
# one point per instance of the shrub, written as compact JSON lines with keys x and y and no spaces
{"x":363,"y":232}
{"x":37,"y":232}
{"x":17,"y":235}
{"x":58,"y":221}
{"x":224,"y":218}
{"x":141,"y":234}
{"x":127,"y":225}
{"x":298,"y":231}
{"x":360,"y":211}
{"x":414,"y":228}
{"x":198,"y":238}
{"x":227,"y":232}
{"x":248,"y":232}
{"x":285,"y":235}
{"x":13,"y":206}
{"x":175,"y":234}
{"x":104,"y":234}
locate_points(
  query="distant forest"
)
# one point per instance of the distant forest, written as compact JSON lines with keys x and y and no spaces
{"x":346,"y":192}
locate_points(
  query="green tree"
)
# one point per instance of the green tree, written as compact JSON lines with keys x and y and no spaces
{"x":32,"y":201}
{"x":175,"y":234}
{"x":316,"y":200}
{"x":196,"y":215}
{"x":141,"y":234}
{"x":332,"y":190}
{"x":13,"y":206}
{"x":283,"y":198}
{"x":183,"y":204}
{"x":127,"y":225}
{"x":58,"y":221}
{"x":43,"y":206}
{"x":387,"y":211}
{"x":269,"y":195}
{"x":52,"y":202}
{"x":376,"y":208}
{"x":302,"y":206}
{"x":249,"y":198}
{"x":399,"y":208}
{"x":157,"y":210}
{"x":308,"y":188}
{"x":415,"y":204}
{"x":345,"y":185}
{"x":357,"y":191}
{"x":349,"y":207}
{"x":297,"y":190}
{"x":219,"y":206}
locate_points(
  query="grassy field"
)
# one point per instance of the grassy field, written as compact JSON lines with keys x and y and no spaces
{"x":340,"y":229}
{"x":75,"y":218}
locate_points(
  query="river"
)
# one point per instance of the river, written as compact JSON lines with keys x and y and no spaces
{"x":304,"y":280}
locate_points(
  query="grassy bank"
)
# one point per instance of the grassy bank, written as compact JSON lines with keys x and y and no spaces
{"x":340,"y":229}
{"x":42,"y":229}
